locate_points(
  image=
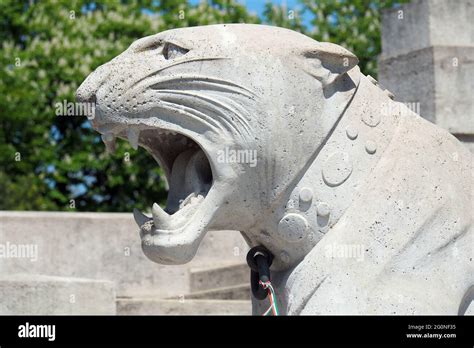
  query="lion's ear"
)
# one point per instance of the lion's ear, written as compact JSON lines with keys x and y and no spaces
{"x":327,"y":61}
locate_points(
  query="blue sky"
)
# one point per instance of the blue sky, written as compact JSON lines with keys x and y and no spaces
{"x":258,"y":6}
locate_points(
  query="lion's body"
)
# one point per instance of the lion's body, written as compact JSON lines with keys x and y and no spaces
{"x":405,"y":243}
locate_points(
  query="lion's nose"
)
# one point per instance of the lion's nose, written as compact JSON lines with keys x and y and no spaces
{"x":86,"y":93}
{"x":85,"y":96}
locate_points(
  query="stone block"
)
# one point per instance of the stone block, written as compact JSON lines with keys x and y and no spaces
{"x":425,"y":23}
{"x":27,"y":294}
{"x":104,"y":246}
{"x":152,"y":306}
{"x":438,"y":78}
{"x":234,"y":292}
{"x":426,"y":61}
{"x":217,"y":277}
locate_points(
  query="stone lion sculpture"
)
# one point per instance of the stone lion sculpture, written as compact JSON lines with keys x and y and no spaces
{"x":365,"y":206}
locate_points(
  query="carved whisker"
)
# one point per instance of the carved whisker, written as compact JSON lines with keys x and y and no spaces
{"x":196,"y":82}
{"x":221,"y":109}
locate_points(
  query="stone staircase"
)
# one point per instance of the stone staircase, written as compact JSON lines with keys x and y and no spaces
{"x":222,"y":290}
{"x":150,"y":306}
{"x":227,"y":282}
{"x":39,"y":294}
{"x":92,"y":263}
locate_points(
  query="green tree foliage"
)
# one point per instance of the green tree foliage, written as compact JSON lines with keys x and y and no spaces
{"x":49,"y":47}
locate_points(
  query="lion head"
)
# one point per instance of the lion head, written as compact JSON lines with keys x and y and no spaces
{"x":234,"y":114}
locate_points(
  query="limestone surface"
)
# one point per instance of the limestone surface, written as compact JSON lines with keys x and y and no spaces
{"x":426,"y":61}
{"x":33,"y":294}
{"x":366,"y":207}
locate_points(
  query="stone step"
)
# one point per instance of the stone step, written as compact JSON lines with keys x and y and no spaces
{"x":209,"y":278}
{"x":235,"y":292}
{"x":26,"y":294}
{"x":153,"y":306}
{"x":104,"y":246}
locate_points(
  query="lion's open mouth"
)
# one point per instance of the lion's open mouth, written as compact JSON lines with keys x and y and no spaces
{"x":187,"y":169}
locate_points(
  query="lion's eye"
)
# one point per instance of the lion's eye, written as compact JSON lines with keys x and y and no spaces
{"x":172,"y":51}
